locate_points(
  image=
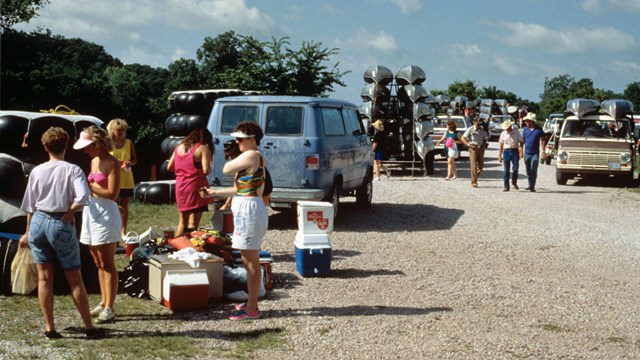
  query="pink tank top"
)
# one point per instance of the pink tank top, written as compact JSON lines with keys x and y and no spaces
{"x":189,"y":179}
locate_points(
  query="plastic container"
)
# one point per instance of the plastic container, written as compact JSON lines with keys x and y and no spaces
{"x":185,"y":290}
{"x":315,"y":217}
{"x":313,"y":260}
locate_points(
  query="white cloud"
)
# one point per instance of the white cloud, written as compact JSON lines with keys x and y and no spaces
{"x":631,"y":5}
{"x":625,"y":67}
{"x":591,"y":5}
{"x":567,"y":41}
{"x":365,"y":39}
{"x":408,"y":6}
{"x":507,"y":66}
{"x":466,"y":50}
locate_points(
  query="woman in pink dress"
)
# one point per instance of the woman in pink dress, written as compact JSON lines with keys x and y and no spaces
{"x":191,"y":162}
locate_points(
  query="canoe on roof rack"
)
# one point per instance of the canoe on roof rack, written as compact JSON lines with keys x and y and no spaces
{"x":581,"y":107}
{"x":410,"y":75}
{"x":617,"y":108}
{"x":378,"y":74}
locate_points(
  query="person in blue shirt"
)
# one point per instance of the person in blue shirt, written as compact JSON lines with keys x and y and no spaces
{"x":534,"y":140}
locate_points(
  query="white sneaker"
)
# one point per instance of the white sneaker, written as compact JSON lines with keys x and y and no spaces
{"x":106,"y":315}
{"x":97,"y":310}
{"x":376,"y":178}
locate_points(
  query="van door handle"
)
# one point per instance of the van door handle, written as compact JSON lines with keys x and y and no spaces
{"x":269,"y":145}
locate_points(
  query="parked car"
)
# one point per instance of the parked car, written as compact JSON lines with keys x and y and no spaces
{"x":495,"y":125}
{"x":315,"y":148}
{"x":440,"y":127}
{"x":551,"y":128}
{"x":597,"y":139}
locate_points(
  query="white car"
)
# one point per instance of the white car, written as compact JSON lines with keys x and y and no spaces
{"x":440,"y":127}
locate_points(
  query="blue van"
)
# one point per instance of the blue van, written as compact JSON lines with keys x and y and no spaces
{"x":315,"y":148}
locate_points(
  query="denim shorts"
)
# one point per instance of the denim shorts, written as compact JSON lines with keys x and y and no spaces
{"x":51,"y":238}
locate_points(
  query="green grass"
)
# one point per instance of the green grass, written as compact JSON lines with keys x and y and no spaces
{"x":142,"y":216}
{"x":144,"y":329}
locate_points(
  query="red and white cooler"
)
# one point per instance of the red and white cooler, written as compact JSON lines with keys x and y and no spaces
{"x":315,"y":217}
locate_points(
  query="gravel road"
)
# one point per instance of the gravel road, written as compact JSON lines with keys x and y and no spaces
{"x":439,"y":270}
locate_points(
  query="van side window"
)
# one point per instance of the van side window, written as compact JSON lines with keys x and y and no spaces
{"x":232,"y":115}
{"x":332,"y":121}
{"x":351,"y":121}
{"x":284,"y":120}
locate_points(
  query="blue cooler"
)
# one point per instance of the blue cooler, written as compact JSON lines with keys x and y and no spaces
{"x":313,"y":254}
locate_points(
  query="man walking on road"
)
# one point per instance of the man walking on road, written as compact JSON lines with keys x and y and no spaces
{"x":511,"y":151}
{"x":533,"y":140}
{"x":475,"y":139}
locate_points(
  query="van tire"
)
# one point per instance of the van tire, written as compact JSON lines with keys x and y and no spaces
{"x":364,"y":193}
{"x":561,"y":179}
{"x":334,"y":198}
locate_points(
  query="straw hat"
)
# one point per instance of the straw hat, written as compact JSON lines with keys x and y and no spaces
{"x":378,"y":125}
{"x":530,"y":117}
{"x":507,"y":124}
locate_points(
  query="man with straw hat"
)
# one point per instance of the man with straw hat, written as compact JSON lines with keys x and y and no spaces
{"x":533,"y":140}
{"x":474,"y":137}
{"x":378,"y":147}
{"x":511,"y":151}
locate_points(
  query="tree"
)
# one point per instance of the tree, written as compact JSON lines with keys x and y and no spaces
{"x":463,"y":88}
{"x":309,"y":76}
{"x":632,"y":93}
{"x":18,"y":11}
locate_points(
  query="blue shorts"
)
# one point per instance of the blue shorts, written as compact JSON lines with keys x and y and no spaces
{"x":379,"y":155}
{"x":51,"y":238}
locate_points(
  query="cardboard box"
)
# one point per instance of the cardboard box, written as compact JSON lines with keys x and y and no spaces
{"x":315,"y":217}
{"x":160,"y":264}
{"x":313,"y":260}
{"x":185,"y":290}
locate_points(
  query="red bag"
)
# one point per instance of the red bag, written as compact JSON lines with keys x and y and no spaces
{"x":180,"y":242}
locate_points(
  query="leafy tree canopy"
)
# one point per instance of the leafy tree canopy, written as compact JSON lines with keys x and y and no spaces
{"x":18,"y":11}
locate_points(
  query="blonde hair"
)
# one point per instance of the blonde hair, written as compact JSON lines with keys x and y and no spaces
{"x":100,"y":137}
{"x":115,"y":125}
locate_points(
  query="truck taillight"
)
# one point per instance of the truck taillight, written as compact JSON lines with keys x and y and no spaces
{"x":313,"y":162}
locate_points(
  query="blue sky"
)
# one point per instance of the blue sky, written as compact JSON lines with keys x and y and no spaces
{"x":510,"y":44}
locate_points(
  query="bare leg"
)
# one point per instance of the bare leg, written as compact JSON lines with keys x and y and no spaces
{"x":79,"y":294}
{"x":194,"y":219}
{"x":376,"y":168}
{"x":45,"y":294}
{"x":104,"y":256}
{"x":183,"y":218}
{"x":124,"y":213}
{"x":251,"y":260}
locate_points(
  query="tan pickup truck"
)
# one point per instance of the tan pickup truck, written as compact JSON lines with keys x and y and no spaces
{"x":597,"y":138}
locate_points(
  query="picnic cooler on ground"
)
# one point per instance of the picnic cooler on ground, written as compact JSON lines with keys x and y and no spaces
{"x":185,"y":289}
{"x":315,"y":217}
{"x":160,"y":264}
{"x":313,"y":254}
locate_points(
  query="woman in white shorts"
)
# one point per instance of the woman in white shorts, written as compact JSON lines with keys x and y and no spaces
{"x":250,"y":217}
{"x":101,"y":221}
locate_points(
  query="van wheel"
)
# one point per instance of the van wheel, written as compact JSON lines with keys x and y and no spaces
{"x":561,"y":179}
{"x":364,"y":194}
{"x":334,"y":199}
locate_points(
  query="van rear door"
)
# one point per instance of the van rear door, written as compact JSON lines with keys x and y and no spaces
{"x":284,"y":145}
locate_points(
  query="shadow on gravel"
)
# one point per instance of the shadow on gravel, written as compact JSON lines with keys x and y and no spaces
{"x":357,"y":310}
{"x":358,"y":274}
{"x":336,"y":255}
{"x":386,"y":217}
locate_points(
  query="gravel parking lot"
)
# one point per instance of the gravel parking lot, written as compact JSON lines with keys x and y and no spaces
{"x":437,"y":269}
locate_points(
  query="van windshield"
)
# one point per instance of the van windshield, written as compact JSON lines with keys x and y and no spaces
{"x":284,"y":121}
{"x":234,"y":114}
{"x":597,"y":129}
